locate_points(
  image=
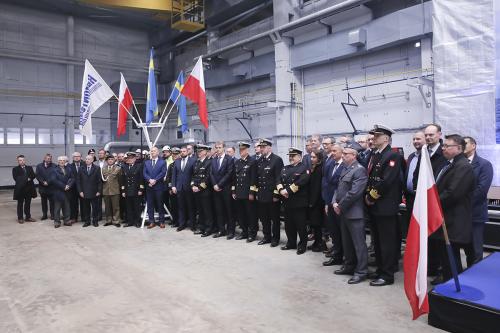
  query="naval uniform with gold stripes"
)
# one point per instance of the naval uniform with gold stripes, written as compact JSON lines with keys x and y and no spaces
{"x":202,"y":198}
{"x":243,"y":188}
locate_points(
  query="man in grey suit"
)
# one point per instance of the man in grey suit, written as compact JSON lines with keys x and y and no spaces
{"x":348,"y":204}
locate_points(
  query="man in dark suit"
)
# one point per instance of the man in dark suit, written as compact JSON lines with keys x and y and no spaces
{"x":409,"y":192}
{"x":221,"y":177}
{"x":293,"y":188}
{"x":455,"y":184}
{"x":181,"y":187}
{"x":483,"y":172}
{"x":76,"y":202}
{"x":330,"y":182}
{"x":155,"y":170}
{"x":43,"y":172}
{"x":269,"y":168}
{"x":89,"y":184}
{"x":132,"y":189}
{"x":200,"y":185}
{"x":364,"y":155}
{"x":383,"y":196}
{"x":434,"y":145}
{"x":347,"y":203}
{"x":243,"y":191}
{"x":174,"y":208}
{"x":24,"y":189}
{"x":62,"y":180}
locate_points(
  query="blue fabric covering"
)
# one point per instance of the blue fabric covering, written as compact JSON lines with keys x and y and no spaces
{"x":480,"y":284}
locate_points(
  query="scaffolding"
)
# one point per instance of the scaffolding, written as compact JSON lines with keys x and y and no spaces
{"x":188,"y":15}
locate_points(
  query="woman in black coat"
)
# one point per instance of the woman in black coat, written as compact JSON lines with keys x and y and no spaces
{"x":316,"y":204}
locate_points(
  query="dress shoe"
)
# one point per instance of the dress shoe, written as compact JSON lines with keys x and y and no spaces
{"x":57,"y":224}
{"x":288,"y":247}
{"x":373,"y":276}
{"x":380,"y":282}
{"x":343,"y":271}
{"x":21,"y":221}
{"x":275,"y":243}
{"x":52,"y":217}
{"x":118,"y":225}
{"x":72,"y":221}
{"x":138,"y":225}
{"x":328,"y":250}
{"x":250,"y":239}
{"x":356,"y":279}
{"x":206,"y":234}
{"x":95,"y":224}
{"x":162,"y":225}
{"x":44,"y":218}
{"x":68,"y":224}
{"x":437,"y":280}
{"x":180,"y":229}
{"x":29,"y":219}
{"x":241,"y":236}
{"x":230,"y":236}
{"x":151,"y":225}
{"x":126,"y":225}
{"x":301,"y":250}
{"x":219,"y":234}
{"x":264,"y":241}
{"x":108,"y":224}
{"x":86,"y":224}
{"x":332,"y":262}
{"x":198,"y":232}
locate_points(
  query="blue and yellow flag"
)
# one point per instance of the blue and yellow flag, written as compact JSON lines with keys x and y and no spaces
{"x":180,"y":101}
{"x":151,"y":102}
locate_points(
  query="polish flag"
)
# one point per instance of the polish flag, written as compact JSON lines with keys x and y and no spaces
{"x":427,"y":217}
{"x":125,"y":102}
{"x":194,"y":89}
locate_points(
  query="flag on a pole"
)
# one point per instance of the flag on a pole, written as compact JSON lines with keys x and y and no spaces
{"x":180,"y":101}
{"x":426,"y":218}
{"x":151,"y":102}
{"x":194,"y":89}
{"x":125,"y":102}
{"x":95,"y":92}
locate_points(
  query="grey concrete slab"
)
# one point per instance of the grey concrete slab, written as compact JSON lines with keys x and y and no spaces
{"x":106,"y":279}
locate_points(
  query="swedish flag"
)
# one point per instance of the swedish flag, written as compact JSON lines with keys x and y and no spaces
{"x":151,"y":102}
{"x":180,"y":101}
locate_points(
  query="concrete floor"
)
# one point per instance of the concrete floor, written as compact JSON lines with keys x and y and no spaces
{"x":130,"y":280}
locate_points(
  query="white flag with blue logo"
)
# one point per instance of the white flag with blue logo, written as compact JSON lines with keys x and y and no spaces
{"x":95,"y":92}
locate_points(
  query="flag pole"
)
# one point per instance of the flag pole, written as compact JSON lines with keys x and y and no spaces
{"x":166,"y":117}
{"x":146,"y":134}
{"x":451,"y":258}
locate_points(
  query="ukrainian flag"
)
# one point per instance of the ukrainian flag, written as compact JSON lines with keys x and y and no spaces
{"x":180,"y":101}
{"x":151,"y":102}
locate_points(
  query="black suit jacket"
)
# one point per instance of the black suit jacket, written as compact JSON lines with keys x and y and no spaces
{"x":223,"y":176}
{"x":455,"y":188}
{"x":91,"y":183}
{"x":24,"y":186}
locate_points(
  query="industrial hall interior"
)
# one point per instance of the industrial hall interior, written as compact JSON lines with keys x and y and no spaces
{"x":249,"y":166}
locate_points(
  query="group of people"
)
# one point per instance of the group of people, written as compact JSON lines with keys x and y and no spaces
{"x":335,"y":189}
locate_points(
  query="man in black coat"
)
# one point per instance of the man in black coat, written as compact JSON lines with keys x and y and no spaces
{"x":221,"y":177}
{"x":383,"y":196}
{"x":62,"y":180}
{"x":132,"y":189}
{"x":243,"y":190}
{"x":455,"y":184}
{"x":76,"y":202}
{"x":24,"y":189}
{"x":181,"y":187}
{"x":43,"y":172}
{"x":269,"y":168}
{"x":89,"y":186}
{"x":200,"y":185}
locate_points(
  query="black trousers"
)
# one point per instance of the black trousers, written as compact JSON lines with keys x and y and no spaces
{"x":333,"y":224}
{"x":47,"y":204}
{"x":296,"y":223}
{"x":186,"y":208}
{"x":474,"y":252}
{"x":76,"y":205}
{"x":155,"y":202}
{"x":204,"y":207}
{"x":166,"y":200}
{"x":99,"y":207}
{"x":133,"y":207}
{"x":445,"y":261}
{"x":123,"y":209}
{"x":174,"y":209}
{"x":269,"y":213}
{"x":24,"y":205}
{"x":385,"y":236}
{"x":90,"y":206}
{"x":247,"y":217}
{"x":223,"y":211}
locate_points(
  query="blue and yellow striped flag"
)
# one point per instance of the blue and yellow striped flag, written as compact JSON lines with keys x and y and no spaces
{"x":151,"y":102}
{"x":180,"y":101}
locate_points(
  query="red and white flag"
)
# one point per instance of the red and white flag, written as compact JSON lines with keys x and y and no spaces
{"x":427,"y":217}
{"x":125,"y":102}
{"x":194,"y":89}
